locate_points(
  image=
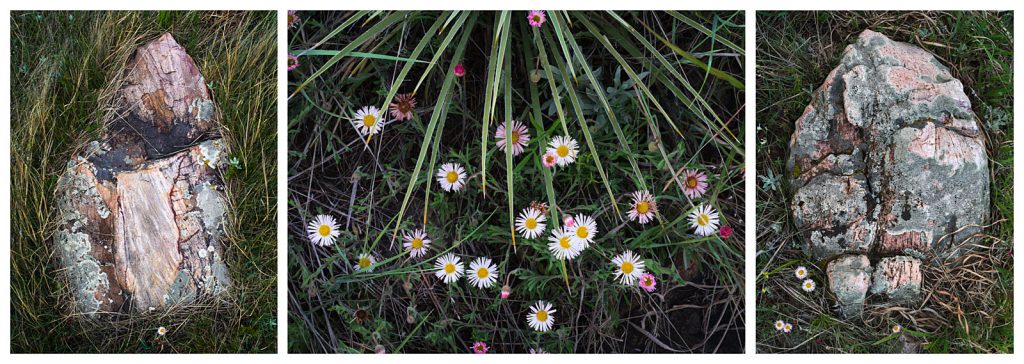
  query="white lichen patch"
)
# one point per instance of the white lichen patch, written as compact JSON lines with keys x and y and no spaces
{"x":213,"y":207}
{"x":211,"y":152}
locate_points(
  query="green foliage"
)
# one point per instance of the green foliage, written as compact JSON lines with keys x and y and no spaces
{"x":796,"y":51}
{"x":636,"y":127}
{"x":61,"y":65}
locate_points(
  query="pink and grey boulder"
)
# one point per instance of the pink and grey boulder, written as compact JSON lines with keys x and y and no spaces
{"x":889,"y":171}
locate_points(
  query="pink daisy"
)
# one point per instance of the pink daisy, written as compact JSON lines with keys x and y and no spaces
{"x":519,"y":137}
{"x":696,"y":183}
{"x":480,"y":347}
{"x":549,"y":159}
{"x":536,"y":18}
{"x":568,"y":221}
{"x":293,"y":18}
{"x":293,"y":62}
{"x":401,"y":108}
{"x":648,"y":283}
{"x":460,"y":70}
{"x":725,"y":232}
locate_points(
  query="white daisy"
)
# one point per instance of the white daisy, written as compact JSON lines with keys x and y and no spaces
{"x":368,"y":120}
{"x":801,"y":272}
{"x":896,"y":329}
{"x":644,"y":207}
{"x":451,"y":176}
{"x":564,"y":149}
{"x":779,"y":324}
{"x":630,"y":267}
{"x":365,"y":262}
{"x":705,"y":219}
{"x":787,"y":328}
{"x":583,"y":231}
{"x":562,"y":246}
{"x":808,"y":285}
{"x":416,"y":243}
{"x":540,"y":317}
{"x":449,"y":268}
{"x":530,"y":223}
{"x":323,"y":230}
{"x":482,"y":273}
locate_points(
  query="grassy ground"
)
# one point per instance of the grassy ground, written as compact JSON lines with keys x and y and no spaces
{"x":61,"y":63}
{"x":401,"y":306}
{"x":970,"y":307}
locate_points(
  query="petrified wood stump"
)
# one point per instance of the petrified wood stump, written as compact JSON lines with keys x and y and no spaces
{"x":888,"y":166}
{"x":142,"y":208}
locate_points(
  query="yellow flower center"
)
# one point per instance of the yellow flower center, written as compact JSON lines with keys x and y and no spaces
{"x":582,"y":232}
{"x":691,"y":182}
{"x":702,"y":219}
{"x":369,"y":120}
{"x":364,"y":262}
{"x":324,"y":230}
{"x":642,"y":207}
{"x":808,"y":285}
{"x":449,"y":268}
{"x":563,"y":151}
{"x":627,"y":267}
{"x":291,"y":19}
{"x":531,"y":223}
{"x":482,"y":273}
{"x":536,"y":18}
{"x":565,"y":242}
{"x":515,"y":137}
{"x":452,"y":177}
{"x":647,"y":281}
{"x":542,"y":316}
{"x":404,"y":106}
{"x":550,"y":159}
{"x":417,"y":243}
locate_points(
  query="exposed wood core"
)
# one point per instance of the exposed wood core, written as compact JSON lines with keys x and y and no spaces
{"x":142,"y":208}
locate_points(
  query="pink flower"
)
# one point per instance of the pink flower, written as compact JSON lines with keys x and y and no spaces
{"x":401,"y":108}
{"x":505,"y":291}
{"x":648,"y":283}
{"x":567,"y":221}
{"x":293,"y":18}
{"x":480,"y":347}
{"x":549,"y":159}
{"x":520,"y":137}
{"x":536,"y":18}
{"x":460,"y":70}
{"x":696,"y":183}
{"x":725,"y":232}
{"x":293,"y":62}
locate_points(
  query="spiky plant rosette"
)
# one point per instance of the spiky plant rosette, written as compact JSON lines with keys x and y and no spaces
{"x":622,"y":102}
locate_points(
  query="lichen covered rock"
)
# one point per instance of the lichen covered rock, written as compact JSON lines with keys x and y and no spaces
{"x":898,"y":278}
{"x":142,"y":208}
{"x":849,"y":277}
{"x":887,"y":160}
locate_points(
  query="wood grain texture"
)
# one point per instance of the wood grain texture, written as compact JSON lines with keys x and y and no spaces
{"x":142,"y":208}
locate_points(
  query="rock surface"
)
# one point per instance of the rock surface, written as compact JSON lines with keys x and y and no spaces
{"x":888,"y":160}
{"x":142,"y":208}
{"x":849,"y":277}
{"x":899,"y":278}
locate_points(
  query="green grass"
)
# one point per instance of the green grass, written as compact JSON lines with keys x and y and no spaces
{"x":61,"y":63}
{"x":972,"y":308}
{"x":646,"y":95}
